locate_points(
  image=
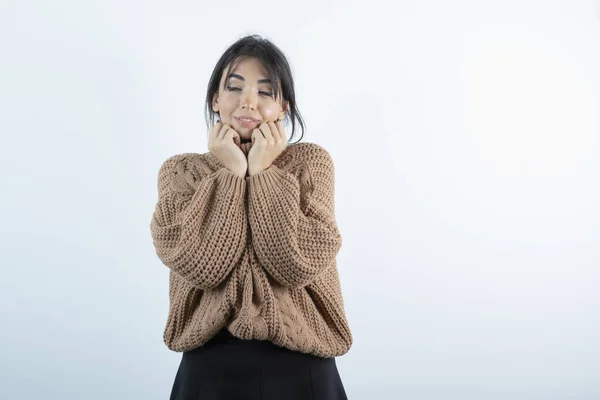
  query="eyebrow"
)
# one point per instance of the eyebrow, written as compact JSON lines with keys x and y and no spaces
{"x":241,"y":78}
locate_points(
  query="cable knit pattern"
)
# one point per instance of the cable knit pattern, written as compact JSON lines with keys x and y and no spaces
{"x":256,"y":254}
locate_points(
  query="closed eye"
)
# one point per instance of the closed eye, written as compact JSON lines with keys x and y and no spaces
{"x":233,"y":89}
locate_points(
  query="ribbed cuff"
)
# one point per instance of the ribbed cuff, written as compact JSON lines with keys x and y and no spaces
{"x":230,"y":181}
{"x":266,"y":178}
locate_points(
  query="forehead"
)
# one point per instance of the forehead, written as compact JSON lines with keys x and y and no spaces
{"x":247,"y":67}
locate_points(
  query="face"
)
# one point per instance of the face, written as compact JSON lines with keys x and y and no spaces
{"x":248,"y":93}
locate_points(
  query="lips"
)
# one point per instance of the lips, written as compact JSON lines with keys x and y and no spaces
{"x":247,"y":122}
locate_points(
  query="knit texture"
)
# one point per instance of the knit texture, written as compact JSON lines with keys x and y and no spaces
{"x":256,"y":254}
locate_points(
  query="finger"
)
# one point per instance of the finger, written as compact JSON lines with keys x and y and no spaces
{"x":223,"y":132}
{"x":236,"y":136}
{"x":232,"y":133}
{"x":264,"y":127}
{"x":281,"y":130}
{"x":214,"y":130}
{"x":256,"y":135}
{"x":274,"y":131}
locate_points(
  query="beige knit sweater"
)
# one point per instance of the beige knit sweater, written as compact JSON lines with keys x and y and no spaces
{"x":256,"y":254}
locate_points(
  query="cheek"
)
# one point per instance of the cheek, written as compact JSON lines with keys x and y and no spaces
{"x":269,"y":113}
{"x":226,"y":101}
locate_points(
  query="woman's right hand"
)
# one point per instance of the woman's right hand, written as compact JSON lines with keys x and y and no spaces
{"x":222,"y":141}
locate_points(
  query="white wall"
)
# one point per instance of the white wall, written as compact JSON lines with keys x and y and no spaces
{"x":466,"y":141}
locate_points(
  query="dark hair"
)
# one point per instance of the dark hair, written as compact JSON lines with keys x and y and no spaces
{"x":278,"y":69}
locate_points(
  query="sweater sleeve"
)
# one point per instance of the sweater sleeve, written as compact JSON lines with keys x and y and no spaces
{"x":199,"y":224}
{"x":292,"y":220}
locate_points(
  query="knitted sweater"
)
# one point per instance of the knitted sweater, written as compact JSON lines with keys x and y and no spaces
{"x":256,"y":255}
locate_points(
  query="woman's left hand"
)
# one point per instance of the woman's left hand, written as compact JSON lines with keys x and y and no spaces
{"x":269,"y":141}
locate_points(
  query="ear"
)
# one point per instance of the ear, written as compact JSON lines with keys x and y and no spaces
{"x":284,"y":109}
{"x":215,"y":103}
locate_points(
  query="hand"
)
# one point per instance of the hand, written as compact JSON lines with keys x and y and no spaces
{"x":223,"y":142}
{"x":268,"y":142}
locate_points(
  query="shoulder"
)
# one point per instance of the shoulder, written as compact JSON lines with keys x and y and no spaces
{"x":309,"y":162}
{"x":308,"y":153}
{"x":178,"y":171}
{"x":173,"y":163}
{"x":310,"y":147}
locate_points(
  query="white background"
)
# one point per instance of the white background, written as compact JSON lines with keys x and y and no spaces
{"x":465,"y":136}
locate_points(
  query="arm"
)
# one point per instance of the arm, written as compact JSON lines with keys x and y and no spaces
{"x":293,"y":225}
{"x":199,"y":224}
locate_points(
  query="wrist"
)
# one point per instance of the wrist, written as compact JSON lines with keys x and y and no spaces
{"x":257,"y":170}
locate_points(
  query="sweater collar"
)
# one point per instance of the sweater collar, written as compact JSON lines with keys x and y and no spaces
{"x":245,"y":147}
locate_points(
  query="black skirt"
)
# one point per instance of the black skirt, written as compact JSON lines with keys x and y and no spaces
{"x":229,"y":368}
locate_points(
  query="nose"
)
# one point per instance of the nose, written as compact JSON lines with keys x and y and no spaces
{"x":248,"y":100}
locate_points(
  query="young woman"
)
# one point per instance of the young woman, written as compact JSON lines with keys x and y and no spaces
{"x":249,"y":234}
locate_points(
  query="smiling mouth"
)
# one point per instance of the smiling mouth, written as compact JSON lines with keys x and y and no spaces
{"x":247,"y":122}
